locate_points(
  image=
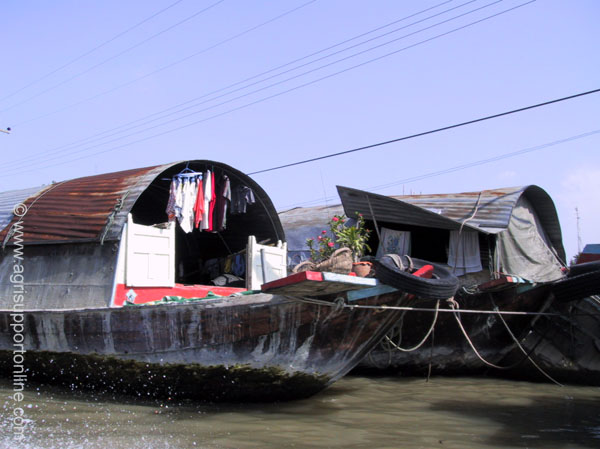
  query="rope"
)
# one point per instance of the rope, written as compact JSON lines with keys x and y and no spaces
{"x":414,"y":348}
{"x":422,"y":309}
{"x":453,"y":304}
{"x":525,"y":352}
{"x":373,"y":217}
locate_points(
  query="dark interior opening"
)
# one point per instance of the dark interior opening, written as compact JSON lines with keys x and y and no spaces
{"x":426,"y":243}
{"x":201,"y":256}
{"x":432,"y":243}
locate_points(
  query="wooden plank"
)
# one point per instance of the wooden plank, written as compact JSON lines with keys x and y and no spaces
{"x":380,"y":289}
{"x":293,"y":279}
{"x":352,"y":280}
{"x":311,"y":283}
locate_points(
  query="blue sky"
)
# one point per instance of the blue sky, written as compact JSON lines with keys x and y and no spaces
{"x":77,"y":77}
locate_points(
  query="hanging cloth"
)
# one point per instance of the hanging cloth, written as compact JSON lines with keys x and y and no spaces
{"x":211,"y":205}
{"x":223,"y":200}
{"x":463,"y":252}
{"x":187,"y":209}
{"x":241,"y":198}
{"x":178,"y":198}
{"x":170,"y":210}
{"x":207,"y":187}
{"x":199,"y":204}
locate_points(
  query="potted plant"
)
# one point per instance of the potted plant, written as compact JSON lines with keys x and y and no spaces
{"x":340,"y":249}
{"x":356,"y":238}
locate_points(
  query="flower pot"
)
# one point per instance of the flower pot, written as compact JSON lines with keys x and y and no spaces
{"x":362,"y":269}
{"x":339,"y":262}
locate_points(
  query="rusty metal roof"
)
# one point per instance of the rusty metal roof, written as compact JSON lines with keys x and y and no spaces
{"x":95,"y":208}
{"x":84,"y":208}
{"x":487,"y":211}
{"x":12,"y":198}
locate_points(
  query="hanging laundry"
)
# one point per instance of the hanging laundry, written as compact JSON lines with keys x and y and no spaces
{"x":211,"y":205}
{"x":207,"y":187}
{"x":199,"y":204}
{"x":241,"y":198}
{"x":222,"y":203}
{"x":170,"y":210}
{"x":190,"y":189}
{"x":178,"y":198}
{"x":228,"y":268}
{"x":239,"y":265}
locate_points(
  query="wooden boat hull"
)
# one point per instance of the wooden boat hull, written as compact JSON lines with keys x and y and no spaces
{"x":566,"y":347}
{"x":259,"y":347}
{"x":563,"y":342}
{"x":447,"y":350}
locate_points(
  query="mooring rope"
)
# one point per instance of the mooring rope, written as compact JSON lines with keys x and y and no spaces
{"x":454,"y":305}
{"x":414,"y":348}
{"x":528,"y":355}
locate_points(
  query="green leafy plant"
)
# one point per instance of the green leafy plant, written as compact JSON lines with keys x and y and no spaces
{"x":353,"y":237}
{"x":342,"y":236}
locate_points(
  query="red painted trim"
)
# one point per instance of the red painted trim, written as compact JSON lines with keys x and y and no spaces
{"x":149,"y":294}
{"x":426,"y":271}
{"x":294,"y":279}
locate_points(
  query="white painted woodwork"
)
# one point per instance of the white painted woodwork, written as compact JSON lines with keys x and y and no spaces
{"x":264,"y":263}
{"x":150,"y":259}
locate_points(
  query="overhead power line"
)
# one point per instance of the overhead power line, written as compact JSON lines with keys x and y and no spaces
{"x":89,"y":52}
{"x":161,"y":115}
{"x":128,"y":49}
{"x":277,"y":83}
{"x":460,"y":167}
{"x":425,"y":133}
{"x":204,"y":50}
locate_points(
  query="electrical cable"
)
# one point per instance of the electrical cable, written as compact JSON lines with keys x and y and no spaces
{"x":458,"y":167}
{"x":107,"y":134}
{"x":168,"y":66}
{"x":284,"y":92}
{"x":433,"y":131}
{"x":181,"y":22}
{"x":97,"y":47}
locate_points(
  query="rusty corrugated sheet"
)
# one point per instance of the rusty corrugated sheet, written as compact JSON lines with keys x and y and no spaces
{"x":387,"y":209}
{"x":82,"y":209}
{"x":447,"y":211}
{"x":8,"y":201}
{"x":488,"y":211}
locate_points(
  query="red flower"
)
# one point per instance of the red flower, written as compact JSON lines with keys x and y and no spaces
{"x":335,"y":219}
{"x":330,"y":244}
{"x":323,"y":232}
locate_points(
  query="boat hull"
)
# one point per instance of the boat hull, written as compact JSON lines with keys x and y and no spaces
{"x":259,"y":347}
{"x":566,"y":346}
{"x":447,"y":350}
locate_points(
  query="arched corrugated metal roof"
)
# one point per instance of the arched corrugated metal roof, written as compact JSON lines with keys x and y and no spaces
{"x":446,"y":211}
{"x":95,"y":208}
{"x":12,"y":198}
{"x":488,"y":211}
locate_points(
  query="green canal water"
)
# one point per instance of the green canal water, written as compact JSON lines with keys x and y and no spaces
{"x":356,"y":412}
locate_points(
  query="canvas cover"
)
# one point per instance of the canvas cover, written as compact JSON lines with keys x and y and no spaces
{"x":523,"y":249}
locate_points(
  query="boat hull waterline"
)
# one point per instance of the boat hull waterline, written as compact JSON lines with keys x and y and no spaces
{"x":259,"y":347}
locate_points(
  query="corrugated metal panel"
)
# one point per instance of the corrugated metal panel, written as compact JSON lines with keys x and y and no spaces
{"x":447,"y":211}
{"x":489,"y":209}
{"x":393,"y":210}
{"x":8,"y":200}
{"x":83,"y":208}
{"x":95,"y":208}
